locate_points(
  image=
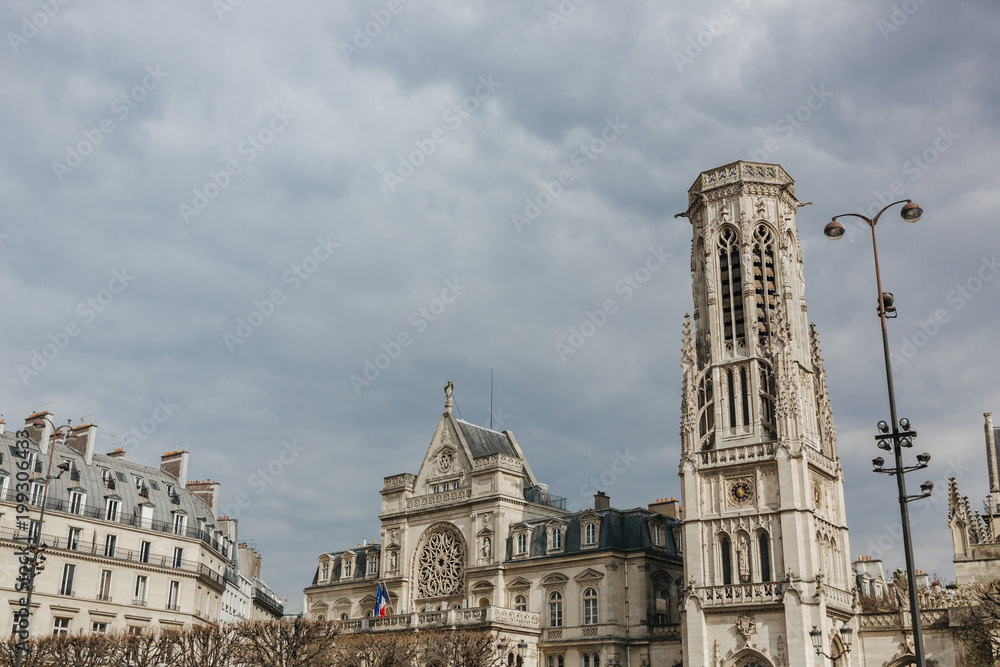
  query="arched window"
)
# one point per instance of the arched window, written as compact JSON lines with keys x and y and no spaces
{"x":767,"y":399}
{"x":706,"y":412}
{"x":731,"y":288}
{"x":765,"y":557}
{"x":586,"y":660}
{"x":369,"y":614}
{"x":484,"y":602}
{"x":590,"y":534}
{"x":590,"y":607}
{"x":522,"y":543}
{"x":732,"y":398}
{"x":555,"y":610}
{"x":344,"y":616}
{"x":765,"y":290}
{"x":556,"y":538}
{"x":326,"y":572}
{"x":520,"y":603}
{"x":727,"y":565}
{"x":321,"y":618}
{"x":596,"y":662}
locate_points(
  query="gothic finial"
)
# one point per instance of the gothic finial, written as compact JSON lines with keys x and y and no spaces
{"x":449,"y":389}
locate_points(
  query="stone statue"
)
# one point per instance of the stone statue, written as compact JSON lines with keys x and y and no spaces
{"x":449,"y":389}
{"x":487,"y":548}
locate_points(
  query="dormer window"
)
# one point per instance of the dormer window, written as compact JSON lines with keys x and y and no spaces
{"x":373,"y":564}
{"x":658,"y":534}
{"x":138,"y":482}
{"x":555,"y":539}
{"x":347,"y":567}
{"x":326,"y":572}
{"x":521,"y":546}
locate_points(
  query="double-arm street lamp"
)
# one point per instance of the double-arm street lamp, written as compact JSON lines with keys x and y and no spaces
{"x":901,"y":435}
{"x":845,"y":637}
{"x":36,"y":547}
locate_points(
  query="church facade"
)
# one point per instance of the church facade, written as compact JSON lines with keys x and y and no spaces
{"x":759,"y":555}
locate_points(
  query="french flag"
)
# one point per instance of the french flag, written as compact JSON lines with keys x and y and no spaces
{"x":381,"y":601}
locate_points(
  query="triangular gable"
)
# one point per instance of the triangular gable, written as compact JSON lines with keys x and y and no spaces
{"x":520,"y":582}
{"x":589,"y":575}
{"x":320,"y":605}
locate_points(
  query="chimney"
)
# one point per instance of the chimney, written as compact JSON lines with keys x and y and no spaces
{"x":3,"y":426}
{"x":116,"y":453}
{"x":991,"y":454}
{"x":601,"y":501}
{"x":175,"y":464}
{"x":81,"y":439}
{"x":207,"y":490}
{"x":41,"y":434}
{"x":667,"y":507}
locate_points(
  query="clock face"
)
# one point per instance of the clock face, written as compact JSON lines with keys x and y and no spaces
{"x":741,"y":492}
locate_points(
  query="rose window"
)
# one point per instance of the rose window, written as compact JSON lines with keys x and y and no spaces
{"x":441,"y":565}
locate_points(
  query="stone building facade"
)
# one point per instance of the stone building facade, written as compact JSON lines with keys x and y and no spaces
{"x":128,"y":546}
{"x":474,"y":540}
{"x":758,"y":558}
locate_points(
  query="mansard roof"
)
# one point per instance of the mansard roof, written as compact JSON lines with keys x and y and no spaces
{"x":151,"y":492}
{"x":621,"y":530}
{"x":483,"y":442}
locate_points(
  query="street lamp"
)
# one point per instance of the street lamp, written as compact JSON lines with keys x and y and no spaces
{"x":901,"y":436}
{"x":845,"y":637}
{"x":522,"y":650}
{"x":37,"y":548}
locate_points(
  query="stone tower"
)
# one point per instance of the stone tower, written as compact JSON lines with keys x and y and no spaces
{"x":766,"y":554}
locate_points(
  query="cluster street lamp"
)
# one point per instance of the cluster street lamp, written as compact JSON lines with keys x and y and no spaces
{"x":845,"y":637}
{"x":901,"y":435}
{"x":36,"y":547}
{"x":522,"y":650}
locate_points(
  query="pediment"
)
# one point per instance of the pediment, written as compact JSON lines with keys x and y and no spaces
{"x":482,"y":586}
{"x":485,"y":532}
{"x":589,"y":516}
{"x":342,"y":602}
{"x":320,"y":606}
{"x":589,"y":574}
{"x":520,"y":528}
{"x":520,"y":582}
{"x":555,"y":523}
{"x":555,"y":580}
{"x":368,"y":599}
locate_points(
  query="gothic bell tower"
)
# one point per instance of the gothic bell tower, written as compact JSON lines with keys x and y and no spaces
{"x":766,"y":553}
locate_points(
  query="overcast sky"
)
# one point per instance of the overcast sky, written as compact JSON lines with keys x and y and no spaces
{"x":230,"y":208}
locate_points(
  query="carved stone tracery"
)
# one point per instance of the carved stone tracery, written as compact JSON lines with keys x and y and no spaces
{"x":441,"y":565}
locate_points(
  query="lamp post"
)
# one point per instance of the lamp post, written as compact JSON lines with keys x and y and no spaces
{"x":37,"y":548}
{"x":845,"y":637}
{"x":901,"y":435}
{"x":522,"y":651}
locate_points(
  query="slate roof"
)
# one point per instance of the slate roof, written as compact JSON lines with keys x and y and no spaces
{"x":484,"y":442}
{"x":622,"y":530}
{"x":90,"y":481}
{"x":360,"y":571}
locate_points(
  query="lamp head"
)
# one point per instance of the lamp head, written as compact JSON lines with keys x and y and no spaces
{"x":877,"y":463}
{"x":884,"y":444}
{"x":817,"y":639}
{"x":904,"y":424}
{"x":522,"y":648}
{"x":883,"y":427}
{"x":905,"y":442}
{"x":846,"y":633}
{"x":911,"y":212}
{"x":834,"y":230}
{"x":927,"y":487}
{"x":924,"y":458}
{"x":64,"y":467}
